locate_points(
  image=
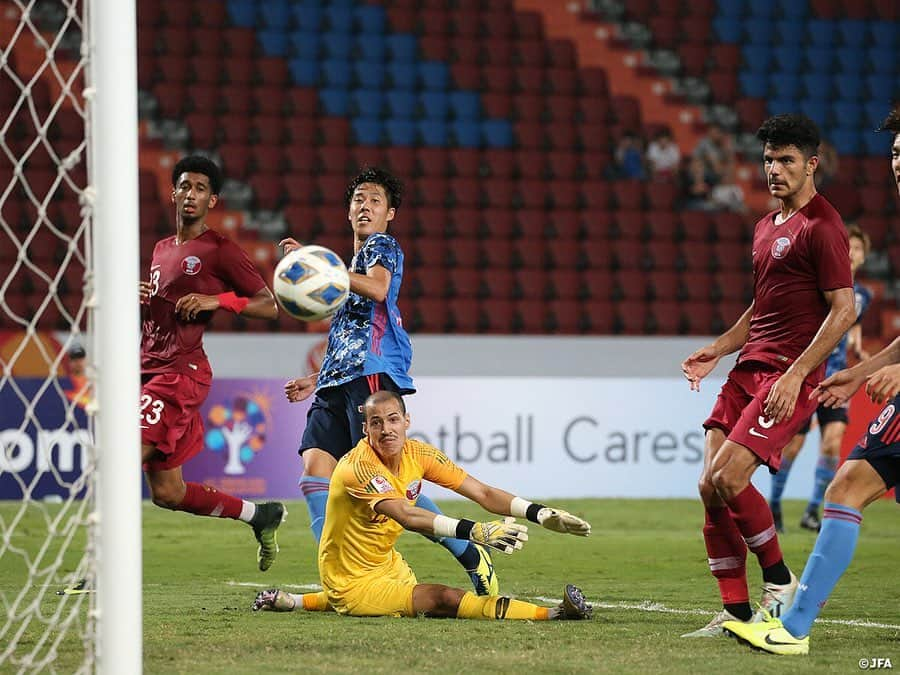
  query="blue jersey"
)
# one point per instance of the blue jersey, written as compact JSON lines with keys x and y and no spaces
{"x":838,"y":358}
{"x":368,"y":337}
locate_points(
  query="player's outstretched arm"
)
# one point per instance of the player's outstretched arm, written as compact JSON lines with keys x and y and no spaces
{"x":301,"y":388}
{"x":504,"y":535}
{"x":261,"y":306}
{"x":702,"y":362}
{"x":503,"y":503}
{"x":836,"y":390}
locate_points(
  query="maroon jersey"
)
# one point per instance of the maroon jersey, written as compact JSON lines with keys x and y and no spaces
{"x":793,"y":264}
{"x":208,"y":265}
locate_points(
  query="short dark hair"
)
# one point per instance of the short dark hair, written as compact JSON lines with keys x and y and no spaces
{"x":891,"y":122}
{"x":855,"y":231}
{"x":379,"y":397}
{"x":393,"y":187}
{"x":199,"y":164}
{"x":790,"y":129}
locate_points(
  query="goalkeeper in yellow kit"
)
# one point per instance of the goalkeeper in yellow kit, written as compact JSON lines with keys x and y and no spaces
{"x":371,"y":500}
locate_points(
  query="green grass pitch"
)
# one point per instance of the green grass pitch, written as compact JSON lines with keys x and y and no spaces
{"x":644,"y":568}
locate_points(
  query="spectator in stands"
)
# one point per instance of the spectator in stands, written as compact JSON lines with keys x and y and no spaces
{"x":716,"y":151}
{"x":828,"y":165}
{"x":663,"y":156}
{"x":727,"y":195}
{"x":630,"y":157}
{"x":696,"y":187}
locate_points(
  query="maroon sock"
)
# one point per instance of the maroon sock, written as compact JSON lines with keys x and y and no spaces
{"x":727,"y":555}
{"x":754,"y":519}
{"x":203,"y":500}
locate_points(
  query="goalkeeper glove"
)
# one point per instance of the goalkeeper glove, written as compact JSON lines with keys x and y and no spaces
{"x":552,"y":519}
{"x":504,"y":535}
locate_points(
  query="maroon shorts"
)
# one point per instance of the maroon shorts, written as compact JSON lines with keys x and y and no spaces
{"x":170,"y":418}
{"x":739,"y":412}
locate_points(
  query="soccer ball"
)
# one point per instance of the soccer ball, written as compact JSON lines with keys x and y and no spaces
{"x":311,"y":283}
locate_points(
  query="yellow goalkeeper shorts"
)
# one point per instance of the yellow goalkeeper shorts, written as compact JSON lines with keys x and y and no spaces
{"x":387,"y":592}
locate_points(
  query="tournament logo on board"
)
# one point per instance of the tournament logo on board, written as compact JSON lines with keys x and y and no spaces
{"x":238,"y":430}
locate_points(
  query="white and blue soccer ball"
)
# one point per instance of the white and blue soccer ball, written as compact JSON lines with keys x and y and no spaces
{"x":311,"y":283}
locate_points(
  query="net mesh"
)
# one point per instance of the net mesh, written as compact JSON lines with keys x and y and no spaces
{"x":46,"y":453}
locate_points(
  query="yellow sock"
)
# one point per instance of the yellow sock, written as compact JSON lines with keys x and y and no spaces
{"x":315,"y":602}
{"x":498,"y":607}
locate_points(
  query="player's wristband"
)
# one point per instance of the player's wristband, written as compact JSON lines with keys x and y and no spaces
{"x":232,"y":302}
{"x":522,"y":508}
{"x":444,"y":526}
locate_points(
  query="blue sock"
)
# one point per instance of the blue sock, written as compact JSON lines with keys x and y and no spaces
{"x":315,"y":492}
{"x":778,"y":482}
{"x":829,"y":559}
{"x":456,"y":546}
{"x":825,"y":470}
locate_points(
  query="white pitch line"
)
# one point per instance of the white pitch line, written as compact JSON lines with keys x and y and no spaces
{"x":645,"y":606}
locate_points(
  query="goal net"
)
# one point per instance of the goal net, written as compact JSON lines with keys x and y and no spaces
{"x":54,"y":533}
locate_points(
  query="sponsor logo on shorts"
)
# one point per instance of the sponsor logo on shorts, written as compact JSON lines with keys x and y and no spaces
{"x":413,"y":490}
{"x":191,"y":265}
{"x":780,"y":247}
{"x":754,"y":432}
{"x":381,"y":484}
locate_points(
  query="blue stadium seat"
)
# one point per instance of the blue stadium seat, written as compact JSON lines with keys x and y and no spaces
{"x":787,"y":30}
{"x":400,"y":132}
{"x":467,"y":133}
{"x":336,"y":45}
{"x":817,"y":86}
{"x":846,"y":140}
{"x":465,"y":105}
{"x":304,"y":44}
{"x":874,"y":113}
{"x":728,"y":29}
{"x":242,"y":13}
{"x":816,"y":110}
{"x":367,"y":103}
{"x":497,"y":133}
{"x":307,"y":16}
{"x":777,"y":106}
{"x":434,"y":75}
{"x":367,"y":130}
{"x":762,"y":8}
{"x":274,"y":42}
{"x":849,"y":87}
{"x":402,"y":75}
{"x":846,"y":113}
{"x":876,"y":143}
{"x":432,"y":132}
{"x":820,"y":32}
{"x":335,"y":101}
{"x":274,"y":13}
{"x":853,"y":32}
{"x":371,"y":48}
{"x":881,"y":60}
{"x":754,"y":85}
{"x":851,"y":60}
{"x":757,"y":58}
{"x":403,"y":47}
{"x":304,"y":72}
{"x":337,"y":73}
{"x":794,"y":9}
{"x":876,"y":84}
{"x":784,"y":85}
{"x":734,"y":9}
{"x":434,"y":105}
{"x":402,"y":103}
{"x":369,"y":19}
{"x":884,"y":33}
{"x":371,"y":75}
{"x":337,"y":19}
{"x":786,"y":58}
{"x":757,"y":31}
{"x":819,"y":59}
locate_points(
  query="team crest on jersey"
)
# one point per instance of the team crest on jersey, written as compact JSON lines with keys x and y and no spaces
{"x":413,"y":490}
{"x":780,"y":247}
{"x":381,"y":484}
{"x":191,"y":265}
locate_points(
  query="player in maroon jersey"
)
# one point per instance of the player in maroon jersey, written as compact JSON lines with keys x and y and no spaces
{"x":802,"y":304}
{"x":193,"y":273}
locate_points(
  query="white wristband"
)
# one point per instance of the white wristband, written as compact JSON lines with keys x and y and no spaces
{"x":518,"y":507}
{"x":444,"y":526}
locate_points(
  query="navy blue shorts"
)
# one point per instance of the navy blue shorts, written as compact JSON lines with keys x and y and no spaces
{"x":334,"y":422}
{"x":826,"y":416}
{"x":880,"y":447}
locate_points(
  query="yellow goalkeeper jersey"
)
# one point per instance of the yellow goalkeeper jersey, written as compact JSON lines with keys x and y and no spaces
{"x":357,"y":541}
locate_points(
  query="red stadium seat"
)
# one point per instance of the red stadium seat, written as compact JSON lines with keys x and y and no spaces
{"x":664,"y":284}
{"x":733,"y":286}
{"x":465,"y":192}
{"x":530,"y":284}
{"x":566,"y":316}
{"x":565,"y":284}
{"x":528,"y":25}
{"x":630,"y":285}
{"x":700,"y":318}
{"x":499,"y":53}
{"x":498,"y":79}
{"x":499,"y":193}
{"x":464,"y":283}
{"x":530,"y":224}
{"x":496,"y":105}
{"x":628,"y":194}
{"x":563,"y":254}
{"x":598,"y":284}
{"x":497,"y":253}
{"x":497,"y":315}
{"x":631,"y":318}
{"x":429,"y":253}
{"x":498,"y":163}
{"x":530,"y":53}
{"x":529,"y":253}
{"x":497,"y":284}
{"x":464,"y":162}
{"x":663,"y":255}
{"x":666,"y":318}
{"x":530,"y":135}
{"x":530,"y":317}
{"x":696,"y":226}
{"x":696,"y":286}
{"x":570,"y":225}
{"x":599,"y":316}
{"x":465,"y":253}
{"x":428,"y":316}
{"x":528,"y":107}
{"x":428,"y":282}
{"x":533,"y":193}
{"x":498,"y":223}
{"x":459,"y":222}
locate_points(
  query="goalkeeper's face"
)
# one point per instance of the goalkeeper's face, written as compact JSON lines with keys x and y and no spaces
{"x":386,"y":426}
